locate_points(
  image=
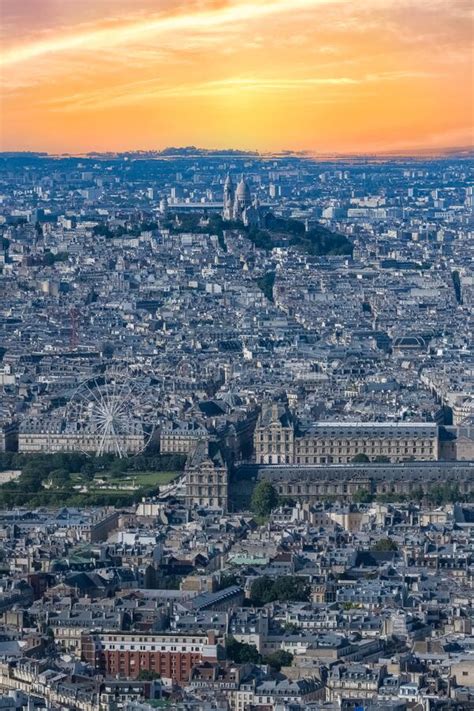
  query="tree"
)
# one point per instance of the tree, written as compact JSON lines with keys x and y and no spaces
{"x":390,"y":497}
{"x":288,"y":588}
{"x":293,"y":588}
{"x":60,"y":478}
{"x":266,"y":283}
{"x":107,"y":350}
{"x":102,"y":230}
{"x":240,"y":653}
{"x":279,"y":659}
{"x":264,"y":499}
{"x":148,"y":675}
{"x":385,"y":545}
{"x":227,"y":581}
{"x":118,"y":468}
{"x":457,"y":286}
{"x":259,"y":591}
{"x":31,"y":478}
{"x":417,"y":494}
{"x":444,"y":494}
{"x":360,"y":458}
{"x":363,"y":496}
{"x":317,"y":241}
{"x":88,"y":470}
{"x":382,"y":458}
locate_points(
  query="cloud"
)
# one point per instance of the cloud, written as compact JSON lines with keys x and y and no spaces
{"x":391,"y":68}
{"x":152,"y":90}
{"x":178,"y":35}
{"x":213,"y":17}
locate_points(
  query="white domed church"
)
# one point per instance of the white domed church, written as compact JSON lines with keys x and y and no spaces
{"x":238,"y":203}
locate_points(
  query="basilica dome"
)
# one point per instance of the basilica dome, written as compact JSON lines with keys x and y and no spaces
{"x":243,"y":191}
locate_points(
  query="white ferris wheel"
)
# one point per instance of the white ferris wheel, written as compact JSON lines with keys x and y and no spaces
{"x":113,"y":413}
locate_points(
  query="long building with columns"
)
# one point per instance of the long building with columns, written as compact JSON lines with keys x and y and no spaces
{"x":319,"y":482}
{"x":279,"y":439}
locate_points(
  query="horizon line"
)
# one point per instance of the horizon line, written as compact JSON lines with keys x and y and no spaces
{"x":303,"y":153}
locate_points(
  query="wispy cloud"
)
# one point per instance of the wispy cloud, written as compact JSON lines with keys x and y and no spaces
{"x":151,"y":90}
{"x":215,"y":16}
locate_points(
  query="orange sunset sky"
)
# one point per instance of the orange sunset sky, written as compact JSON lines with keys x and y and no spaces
{"x":319,"y":75}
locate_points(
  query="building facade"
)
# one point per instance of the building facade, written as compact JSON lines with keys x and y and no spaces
{"x":313,"y":483}
{"x":207,"y":478}
{"x":181,"y":437}
{"x":125,"y":654}
{"x":279,"y":440}
{"x":60,"y":436}
{"x":238,"y":204}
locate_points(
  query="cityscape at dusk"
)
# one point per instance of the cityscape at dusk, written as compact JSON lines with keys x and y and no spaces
{"x":236,"y":355}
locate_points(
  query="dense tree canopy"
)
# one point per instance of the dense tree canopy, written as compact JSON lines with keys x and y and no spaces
{"x":286,"y":588}
{"x":265,"y":283}
{"x":363,"y":496}
{"x":385,"y":545}
{"x":279,"y":659}
{"x":46,"y":479}
{"x":240,"y":653}
{"x":264,"y":499}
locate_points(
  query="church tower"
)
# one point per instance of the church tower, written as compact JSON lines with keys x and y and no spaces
{"x":229,"y":195}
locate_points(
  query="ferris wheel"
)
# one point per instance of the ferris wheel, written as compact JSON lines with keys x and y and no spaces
{"x":113,"y":413}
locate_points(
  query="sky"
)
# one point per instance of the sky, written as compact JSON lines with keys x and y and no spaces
{"x":343,"y":76}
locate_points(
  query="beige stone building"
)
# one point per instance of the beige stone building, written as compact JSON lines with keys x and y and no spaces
{"x":462,"y":407}
{"x":181,"y":437}
{"x":464,"y":442}
{"x":56,"y":435}
{"x":278,"y":440}
{"x":206,"y":477}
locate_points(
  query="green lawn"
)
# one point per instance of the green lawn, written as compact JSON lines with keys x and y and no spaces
{"x":150,"y":478}
{"x":141,"y":479}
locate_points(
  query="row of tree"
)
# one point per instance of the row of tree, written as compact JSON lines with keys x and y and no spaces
{"x":437,"y":495}
{"x":265,"y":497}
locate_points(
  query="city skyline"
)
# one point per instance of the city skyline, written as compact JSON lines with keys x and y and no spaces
{"x":315,"y":75}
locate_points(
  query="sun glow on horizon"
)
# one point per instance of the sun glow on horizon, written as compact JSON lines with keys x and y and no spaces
{"x":320,"y":75}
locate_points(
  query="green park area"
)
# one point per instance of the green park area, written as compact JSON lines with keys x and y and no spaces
{"x":77,"y":479}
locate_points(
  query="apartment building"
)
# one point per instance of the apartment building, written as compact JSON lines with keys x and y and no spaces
{"x":125,"y":654}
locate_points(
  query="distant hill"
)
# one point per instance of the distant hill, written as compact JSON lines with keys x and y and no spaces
{"x":318,"y":241}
